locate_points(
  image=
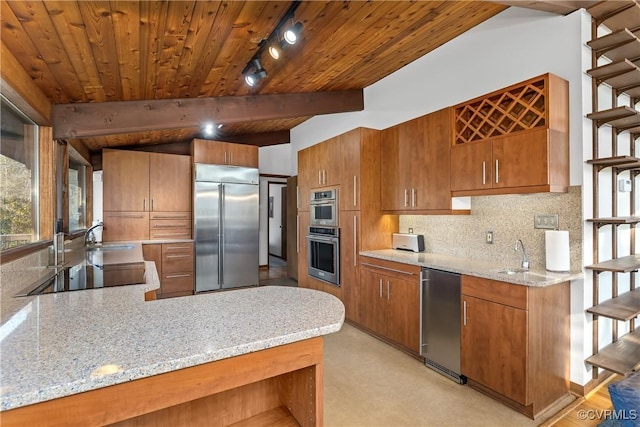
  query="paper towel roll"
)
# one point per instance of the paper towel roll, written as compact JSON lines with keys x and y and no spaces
{"x":557,"y":250}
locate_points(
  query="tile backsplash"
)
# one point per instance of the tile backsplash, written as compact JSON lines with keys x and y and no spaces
{"x":509,"y":217}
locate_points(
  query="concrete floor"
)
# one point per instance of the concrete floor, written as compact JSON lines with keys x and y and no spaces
{"x":369,"y":383}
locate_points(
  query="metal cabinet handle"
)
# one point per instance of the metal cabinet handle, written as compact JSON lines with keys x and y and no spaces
{"x":177,"y":248}
{"x":179,"y":256}
{"x":298,"y":234}
{"x":175,"y":276}
{"x":484,"y":173}
{"x":355,"y":191}
{"x":406,"y":197}
{"x":388,"y":291}
{"x":413,"y":197}
{"x":124,"y":215}
{"x":324,"y":176}
{"x":225,"y":158}
{"x":464,"y":313}
{"x":320,"y":177}
{"x":380,"y":288}
{"x":144,"y":204}
{"x":231,"y":158}
{"x":497,"y":171}
{"x":152,"y":205}
{"x":355,"y":241}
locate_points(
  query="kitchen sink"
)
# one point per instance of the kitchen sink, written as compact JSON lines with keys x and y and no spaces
{"x":116,"y":247}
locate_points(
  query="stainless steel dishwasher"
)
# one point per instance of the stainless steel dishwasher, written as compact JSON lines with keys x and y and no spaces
{"x":440,"y":322}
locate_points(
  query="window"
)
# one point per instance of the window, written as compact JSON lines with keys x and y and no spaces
{"x":77,"y":195}
{"x":18,"y":178}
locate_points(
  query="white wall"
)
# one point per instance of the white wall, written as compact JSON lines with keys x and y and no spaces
{"x":513,"y":46}
{"x":275,"y":159}
{"x":264,"y":216}
{"x":275,"y":223}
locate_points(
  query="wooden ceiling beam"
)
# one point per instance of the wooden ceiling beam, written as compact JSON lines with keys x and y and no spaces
{"x":82,"y":120}
{"x":260,"y":139}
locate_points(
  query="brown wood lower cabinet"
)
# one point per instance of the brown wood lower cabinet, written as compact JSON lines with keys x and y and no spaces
{"x":515,"y":342}
{"x":174,"y":262}
{"x":390,"y":301}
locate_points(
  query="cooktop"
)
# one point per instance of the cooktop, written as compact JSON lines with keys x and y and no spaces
{"x":82,"y":276}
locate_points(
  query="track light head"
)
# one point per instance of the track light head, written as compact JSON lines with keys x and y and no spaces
{"x":275,"y":49}
{"x":254,"y":72}
{"x":292,"y":34}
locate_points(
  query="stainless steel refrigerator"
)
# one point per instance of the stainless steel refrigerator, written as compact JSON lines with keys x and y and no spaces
{"x":225,"y":226}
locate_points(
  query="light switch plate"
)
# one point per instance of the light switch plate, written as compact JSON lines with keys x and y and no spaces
{"x":546,"y":222}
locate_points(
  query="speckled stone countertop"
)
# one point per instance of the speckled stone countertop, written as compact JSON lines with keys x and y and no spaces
{"x":55,"y":345}
{"x":470,"y":267}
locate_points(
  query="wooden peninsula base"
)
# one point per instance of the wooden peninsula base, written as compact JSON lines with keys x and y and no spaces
{"x":280,"y":386}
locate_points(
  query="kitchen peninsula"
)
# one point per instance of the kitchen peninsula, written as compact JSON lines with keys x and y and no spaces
{"x":105,"y":356}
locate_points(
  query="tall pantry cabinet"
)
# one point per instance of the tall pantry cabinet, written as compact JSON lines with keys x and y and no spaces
{"x":351,"y":163}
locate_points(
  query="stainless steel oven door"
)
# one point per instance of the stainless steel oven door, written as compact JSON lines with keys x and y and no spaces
{"x":323,"y":256}
{"x":324,"y":213}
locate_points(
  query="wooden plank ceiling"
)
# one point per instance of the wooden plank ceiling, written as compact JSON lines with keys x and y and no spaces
{"x":102,"y":51}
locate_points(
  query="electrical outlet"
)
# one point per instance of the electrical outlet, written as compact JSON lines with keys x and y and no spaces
{"x":546,"y":222}
{"x":488,"y":237}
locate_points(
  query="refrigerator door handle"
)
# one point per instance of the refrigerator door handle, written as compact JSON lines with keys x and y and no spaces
{"x":221,"y":236}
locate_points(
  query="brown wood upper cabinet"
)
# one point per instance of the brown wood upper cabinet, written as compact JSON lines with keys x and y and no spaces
{"x":321,"y":166}
{"x":514,"y":140}
{"x":515,"y":342}
{"x":415,"y":165}
{"x":146,"y":182}
{"x":146,"y":195}
{"x":224,"y":153}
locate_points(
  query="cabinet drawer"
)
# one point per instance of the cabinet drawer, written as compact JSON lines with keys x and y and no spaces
{"x":174,"y":248}
{"x":177,"y":282}
{"x":178,"y":262}
{"x":392,"y":269}
{"x":169,"y":224}
{"x":496,"y":291}
{"x":162,"y":234}
{"x":170,"y":216}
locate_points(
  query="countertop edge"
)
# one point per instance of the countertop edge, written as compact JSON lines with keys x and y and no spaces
{"x":471,"y":267}
{"x":60,"y":391}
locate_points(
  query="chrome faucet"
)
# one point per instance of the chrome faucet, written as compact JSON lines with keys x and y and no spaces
{"x":525,"y":261}
{"x":89,"y":237}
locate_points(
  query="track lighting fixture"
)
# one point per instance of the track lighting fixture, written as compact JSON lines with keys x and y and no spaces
{"x":254,"y":72}
{"x":292,"y":33}
{"x":275,"y":44}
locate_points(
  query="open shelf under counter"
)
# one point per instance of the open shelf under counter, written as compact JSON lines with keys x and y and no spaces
{"x":621,"y":357}
{"x":623,"y":76}
{"x":619,"y":265}
{"x":617,"y":15}
{"x":624,"y":307}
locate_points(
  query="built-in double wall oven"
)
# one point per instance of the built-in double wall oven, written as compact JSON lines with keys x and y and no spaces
{"x":323,"y":238}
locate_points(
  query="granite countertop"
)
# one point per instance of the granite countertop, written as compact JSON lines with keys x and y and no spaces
{"x":471,"y":267}
{"x":59,"y":344}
